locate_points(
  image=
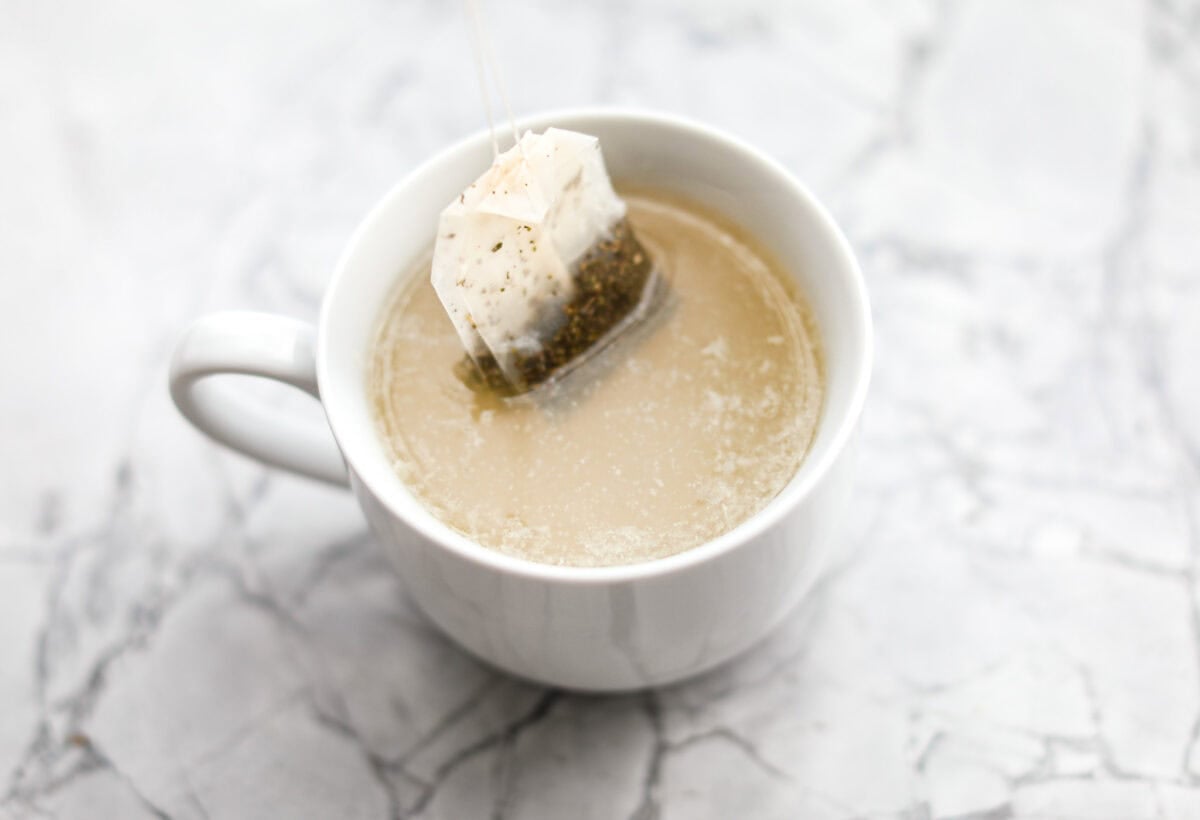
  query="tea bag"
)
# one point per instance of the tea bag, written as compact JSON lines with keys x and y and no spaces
{"x":536,"y":263}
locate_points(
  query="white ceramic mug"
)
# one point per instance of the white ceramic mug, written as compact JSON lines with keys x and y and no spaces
{"x":601,"y":629}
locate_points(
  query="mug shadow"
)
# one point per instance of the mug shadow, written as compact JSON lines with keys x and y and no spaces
{"x":442,"y":733}
{"x":445,"y":734}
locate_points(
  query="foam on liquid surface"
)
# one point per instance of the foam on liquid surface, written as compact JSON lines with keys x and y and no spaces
{"x":669,"y":439}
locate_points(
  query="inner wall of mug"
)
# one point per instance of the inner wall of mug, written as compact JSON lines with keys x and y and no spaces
{"x":653,"y":151}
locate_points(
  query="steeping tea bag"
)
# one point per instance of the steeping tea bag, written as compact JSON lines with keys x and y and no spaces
{"x":536,"y":264}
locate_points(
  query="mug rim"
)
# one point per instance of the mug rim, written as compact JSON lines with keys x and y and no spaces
{"x":808,"y":475}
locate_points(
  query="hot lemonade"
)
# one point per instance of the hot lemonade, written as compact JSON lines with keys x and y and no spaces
{"x":668,"y":438}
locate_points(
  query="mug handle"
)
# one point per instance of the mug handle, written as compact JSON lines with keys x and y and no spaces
{"x":254,"y":344}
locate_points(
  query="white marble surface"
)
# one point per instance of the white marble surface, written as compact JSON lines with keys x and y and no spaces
{"x":186,"y":635}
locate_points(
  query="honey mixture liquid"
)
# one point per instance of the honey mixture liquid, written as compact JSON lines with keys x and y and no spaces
{"x":673,"y":435}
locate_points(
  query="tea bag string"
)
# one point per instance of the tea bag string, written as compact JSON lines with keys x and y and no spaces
{"x":485,"y":66}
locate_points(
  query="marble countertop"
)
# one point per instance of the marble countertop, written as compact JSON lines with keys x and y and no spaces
{"x":184,"y":634}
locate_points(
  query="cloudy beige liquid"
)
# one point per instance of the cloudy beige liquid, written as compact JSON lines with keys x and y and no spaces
{"x":669,"y":438}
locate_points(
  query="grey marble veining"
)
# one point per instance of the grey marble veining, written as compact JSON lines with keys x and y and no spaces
{"x":184,"y":634}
